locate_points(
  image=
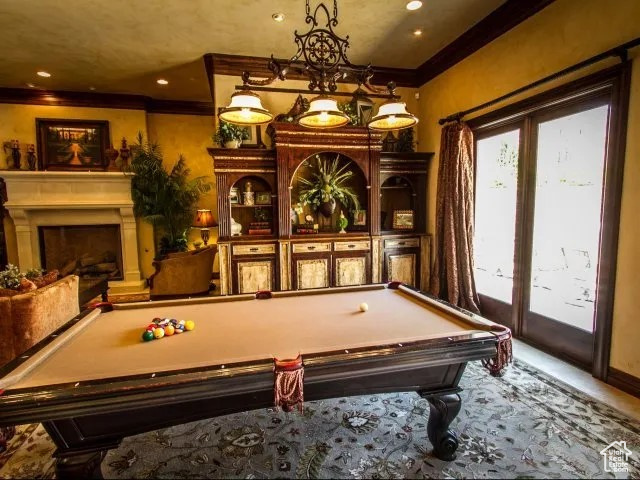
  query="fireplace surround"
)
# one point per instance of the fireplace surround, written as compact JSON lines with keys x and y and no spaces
{"x":41,"y":199}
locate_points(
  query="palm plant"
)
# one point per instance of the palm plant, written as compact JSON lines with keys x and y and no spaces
{"x":166,"y":199}
{"x":328,"y":184}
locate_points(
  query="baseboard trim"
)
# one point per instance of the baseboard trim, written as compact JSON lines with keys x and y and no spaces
{"x":624,"y":381}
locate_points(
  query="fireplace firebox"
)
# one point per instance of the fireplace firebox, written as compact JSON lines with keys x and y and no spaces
{"x":89,"y":251}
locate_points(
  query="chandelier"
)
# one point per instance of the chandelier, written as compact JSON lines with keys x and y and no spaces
{"x":322,"y":58}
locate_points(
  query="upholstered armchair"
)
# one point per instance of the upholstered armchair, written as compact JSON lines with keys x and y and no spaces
{"x":183,"y":274}
{"x":27,"y":318}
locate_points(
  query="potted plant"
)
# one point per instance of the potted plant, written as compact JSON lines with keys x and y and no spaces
{"x":327,"y":185}
{"x":230,"y":135}
{"x":166,"y":199}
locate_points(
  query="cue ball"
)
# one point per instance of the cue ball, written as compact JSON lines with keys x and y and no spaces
{"x":364,"y":307}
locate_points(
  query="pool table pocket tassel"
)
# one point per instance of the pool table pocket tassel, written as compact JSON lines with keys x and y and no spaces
{"x":288,"y":387}
{"x":504,"y":352}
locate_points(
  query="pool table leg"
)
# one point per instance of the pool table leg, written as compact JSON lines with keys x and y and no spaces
{"x":79,"y":464}
{"x":443,"y":408}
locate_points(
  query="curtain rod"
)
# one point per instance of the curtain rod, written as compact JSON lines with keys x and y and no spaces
{"x":619,"y":51}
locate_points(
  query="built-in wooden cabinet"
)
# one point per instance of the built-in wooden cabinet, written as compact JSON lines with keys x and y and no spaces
{"x":276,"y":257}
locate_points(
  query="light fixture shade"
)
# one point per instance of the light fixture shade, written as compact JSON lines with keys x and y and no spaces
{"x":392,"y":115}
{"x":323,"y":113}
{"x":245,"y":109}
{"x":204,"y":219}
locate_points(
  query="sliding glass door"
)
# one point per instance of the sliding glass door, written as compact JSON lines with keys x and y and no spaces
{"x":539,"y":223}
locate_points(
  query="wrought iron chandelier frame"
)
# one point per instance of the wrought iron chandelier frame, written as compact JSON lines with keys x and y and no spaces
{"x":322,"y":57}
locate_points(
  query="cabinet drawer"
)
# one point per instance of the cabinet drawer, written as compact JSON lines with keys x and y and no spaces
{"x":254,"y":249}
{"x":311,"y":247}
{"x":351,"y":246}
{"x":402,"y":243}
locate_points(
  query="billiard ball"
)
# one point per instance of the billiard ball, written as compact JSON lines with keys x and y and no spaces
{"x":189,"y":325}
{"x":169,"y":330}
{"x":158,"y":332}
{"x":364,"y":307}
{"x":147,"y":335}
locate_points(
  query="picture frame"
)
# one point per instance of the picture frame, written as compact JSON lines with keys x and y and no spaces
{"x":234,"y":197}
{"x":403,"y":220}
{"x":360,"y":218}
{"x":72,"y":145}
{"x":255,"y":138}
{"x":263,"y":198}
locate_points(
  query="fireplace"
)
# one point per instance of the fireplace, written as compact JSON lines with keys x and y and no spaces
{"x":88,"y":251}
{"x":94,"y":207}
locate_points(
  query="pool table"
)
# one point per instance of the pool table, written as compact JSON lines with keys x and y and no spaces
{"x":94,"y":381}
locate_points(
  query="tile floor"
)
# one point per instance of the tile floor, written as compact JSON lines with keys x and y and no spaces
{"x":578,"y":378}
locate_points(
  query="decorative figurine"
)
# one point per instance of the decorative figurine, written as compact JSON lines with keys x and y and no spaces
{"x":125,"y":153}
{"x":236,"y":228}
{"x":342,"y":222}
{"x":31,"y":156}
{"x":112,"y":155}
{"x":248,"y":194}
{"x":15,"y":154}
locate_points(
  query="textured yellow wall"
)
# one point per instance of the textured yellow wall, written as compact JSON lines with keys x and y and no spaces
{"x":566,"y":32}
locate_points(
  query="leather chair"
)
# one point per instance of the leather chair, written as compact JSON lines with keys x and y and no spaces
{"x":184,"y":274}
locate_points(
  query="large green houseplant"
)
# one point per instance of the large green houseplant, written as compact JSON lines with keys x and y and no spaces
{"x":166,"y":199}
{"x":230,"y":135}
{"x":328,"y":184}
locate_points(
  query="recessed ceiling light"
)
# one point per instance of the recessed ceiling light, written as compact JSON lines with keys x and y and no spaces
{"x":42,"y":73}
{"x":417,"y":32}
{"x":278,"y":17}
{"x":162,"y":81}
{"x":414,"y":5}
{"x":31,"y":85}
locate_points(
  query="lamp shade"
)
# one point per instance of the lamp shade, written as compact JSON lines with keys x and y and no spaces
{"x":392,"y":115}
{"x":204,"y":219}
{"x":245,"y":109}
{"x":323,"y":113}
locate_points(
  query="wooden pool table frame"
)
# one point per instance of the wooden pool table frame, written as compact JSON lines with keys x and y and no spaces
{"x":87,"y":420}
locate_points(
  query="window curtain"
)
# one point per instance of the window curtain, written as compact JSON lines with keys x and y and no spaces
{"x":452,"y":276}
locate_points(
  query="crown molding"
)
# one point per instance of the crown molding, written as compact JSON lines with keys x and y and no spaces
{"x":65,"y":98}
{"x":501,"y":20}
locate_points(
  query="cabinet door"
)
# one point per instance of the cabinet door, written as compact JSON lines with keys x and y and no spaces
{"x":254,"y":274}
{"x":351,"y":270}
{"x":311,"y":271}
{"x":402,"y":265}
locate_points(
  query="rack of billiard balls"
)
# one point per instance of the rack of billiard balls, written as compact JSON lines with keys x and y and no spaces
{"x":161,"y":327}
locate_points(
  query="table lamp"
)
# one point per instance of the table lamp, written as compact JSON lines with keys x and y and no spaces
{"x":204,"y":220}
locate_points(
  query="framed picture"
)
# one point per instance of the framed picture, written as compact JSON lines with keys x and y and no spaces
{"x":255,"y":138}
{"x":403,"y":219}
{"x":233,"y":195}
{"x":263,"y":198}
{"x":72,"y":144}
{"x":360,"y":218}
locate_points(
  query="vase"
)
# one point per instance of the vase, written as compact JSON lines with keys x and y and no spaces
{"x":236,"y":228}
{"x":31,"y":156}
{"x":327,"y":208}
{"x":232,"y":144}
{"x":342,"y":223}
{"x":15,"y":154}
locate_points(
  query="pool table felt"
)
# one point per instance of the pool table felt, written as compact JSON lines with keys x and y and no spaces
{"x":237,"y":331}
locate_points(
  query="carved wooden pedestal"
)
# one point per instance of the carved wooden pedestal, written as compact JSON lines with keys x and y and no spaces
{"x":443,"y":408}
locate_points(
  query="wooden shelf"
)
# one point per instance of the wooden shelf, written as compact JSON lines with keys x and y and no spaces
{"x":240,"y":205}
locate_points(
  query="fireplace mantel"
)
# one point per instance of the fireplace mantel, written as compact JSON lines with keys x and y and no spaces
{"x":37,"y":199}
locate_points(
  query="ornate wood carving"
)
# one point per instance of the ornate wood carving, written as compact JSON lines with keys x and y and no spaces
{"x":312,"y":272}
{"x":402,"y":268}
{"x":350,"y":271}
{"x":254,"y":276}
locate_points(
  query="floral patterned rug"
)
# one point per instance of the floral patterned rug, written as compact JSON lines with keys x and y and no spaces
{"x":522,"y":425}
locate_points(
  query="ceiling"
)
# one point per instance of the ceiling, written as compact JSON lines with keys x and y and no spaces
{"x":124,"y":46}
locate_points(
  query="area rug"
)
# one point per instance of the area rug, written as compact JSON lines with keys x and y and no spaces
{"x":523,"y":425}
